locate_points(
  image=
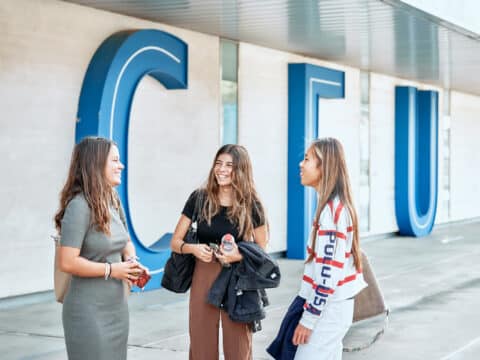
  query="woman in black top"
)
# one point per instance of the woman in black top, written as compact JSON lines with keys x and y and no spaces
{"x":229,"y":205}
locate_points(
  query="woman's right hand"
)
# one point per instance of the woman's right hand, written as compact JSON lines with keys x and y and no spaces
{"x":203,"y":252}
{"x":126,"y":270}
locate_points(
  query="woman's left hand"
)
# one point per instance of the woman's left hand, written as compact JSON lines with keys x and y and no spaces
{"x":228,"y":257}
{"x":144,"y":268}
{"x":301,"y":335}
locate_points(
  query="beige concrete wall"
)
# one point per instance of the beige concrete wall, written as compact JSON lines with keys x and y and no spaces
{"x":465,"y":156}
{"x":45,"y":49}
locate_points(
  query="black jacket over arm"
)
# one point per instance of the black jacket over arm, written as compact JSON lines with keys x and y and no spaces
{"x":240,"y":289}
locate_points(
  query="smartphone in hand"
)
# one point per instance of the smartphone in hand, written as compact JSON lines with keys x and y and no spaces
{"x":215,"y":248}
{"x":217,"y":251}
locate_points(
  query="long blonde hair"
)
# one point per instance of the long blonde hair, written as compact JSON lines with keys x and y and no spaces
{"x":334,"y":181}
{"x":245,"y":200}
{"x":87,"y":176}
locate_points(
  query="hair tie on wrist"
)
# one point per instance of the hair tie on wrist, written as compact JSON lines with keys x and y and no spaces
{"x":181,"y":247}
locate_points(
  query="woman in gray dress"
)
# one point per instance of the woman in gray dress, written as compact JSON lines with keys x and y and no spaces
{"x":94,"y":244}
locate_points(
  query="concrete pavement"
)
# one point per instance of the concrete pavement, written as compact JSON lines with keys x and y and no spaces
{"x":432,"y":286}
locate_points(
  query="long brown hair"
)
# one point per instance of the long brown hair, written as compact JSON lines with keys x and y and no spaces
{"x":245,"y":198}
{"x":334,"y":181}
{"x":87,"y":176}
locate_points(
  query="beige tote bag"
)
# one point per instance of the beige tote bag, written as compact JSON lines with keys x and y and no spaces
{"x":369,"y":302}
{"x":61,"y":280}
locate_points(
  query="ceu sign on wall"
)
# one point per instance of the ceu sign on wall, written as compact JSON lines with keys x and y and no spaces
{"x":115,"y":70}
{"x":416,"y":160}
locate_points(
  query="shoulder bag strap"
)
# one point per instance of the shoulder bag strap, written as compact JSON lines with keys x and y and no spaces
{"x":198,"y":205}
{"x":196,"y":211}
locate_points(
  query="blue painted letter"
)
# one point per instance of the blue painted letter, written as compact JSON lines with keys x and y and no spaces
{"x":416,"y":160}
{"x":112,"y":77}
{"x":306,"y":84}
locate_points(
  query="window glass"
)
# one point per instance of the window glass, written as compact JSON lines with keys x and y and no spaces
{"x":364,"y":198}
{"x":229,"y":90}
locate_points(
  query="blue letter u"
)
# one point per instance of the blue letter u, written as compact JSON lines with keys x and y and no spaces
{"x":416,"y":160}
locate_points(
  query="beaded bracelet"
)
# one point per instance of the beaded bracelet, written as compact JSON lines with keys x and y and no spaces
{"x":132,"y":258}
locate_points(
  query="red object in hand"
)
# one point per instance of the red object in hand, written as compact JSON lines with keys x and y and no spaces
{"x":143,"y":279}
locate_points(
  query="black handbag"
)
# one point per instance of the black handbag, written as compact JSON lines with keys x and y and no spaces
{"x":178,"y":272}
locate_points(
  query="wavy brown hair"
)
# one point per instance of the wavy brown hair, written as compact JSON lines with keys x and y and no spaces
{"x":245,"y":198}
{"x":334,"y":182}
{"x":87,"y":176}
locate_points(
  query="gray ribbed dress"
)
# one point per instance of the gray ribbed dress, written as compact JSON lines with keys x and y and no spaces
{"x":95,"y":310}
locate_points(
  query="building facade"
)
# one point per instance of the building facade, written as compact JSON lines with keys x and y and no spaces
{"x":237,"y":92}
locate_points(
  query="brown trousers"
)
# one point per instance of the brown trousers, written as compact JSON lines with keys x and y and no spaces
{"x":205,"y":320}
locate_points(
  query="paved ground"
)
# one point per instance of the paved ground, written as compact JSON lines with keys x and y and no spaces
{"x":432,"y":286}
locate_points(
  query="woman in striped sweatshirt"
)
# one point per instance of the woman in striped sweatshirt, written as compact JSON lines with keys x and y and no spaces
{"x":322,"y":313}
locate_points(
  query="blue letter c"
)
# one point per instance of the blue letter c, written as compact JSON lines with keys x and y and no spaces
{"x":110,"y":82}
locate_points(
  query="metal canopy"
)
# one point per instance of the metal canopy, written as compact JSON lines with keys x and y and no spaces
{"x":382,"y":36}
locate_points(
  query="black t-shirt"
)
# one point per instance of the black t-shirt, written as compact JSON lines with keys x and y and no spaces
{"x":220,"y":224}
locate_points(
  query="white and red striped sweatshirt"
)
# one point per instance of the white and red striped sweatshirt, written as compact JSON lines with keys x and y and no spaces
{"x":331,"y":275}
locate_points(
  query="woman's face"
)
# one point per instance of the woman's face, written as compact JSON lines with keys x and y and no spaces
{"x":224,"y":169}
{"x":310,"y":171}
{"x":113,"y":168}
